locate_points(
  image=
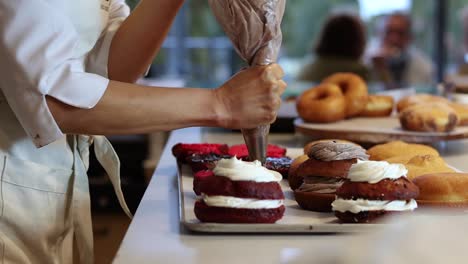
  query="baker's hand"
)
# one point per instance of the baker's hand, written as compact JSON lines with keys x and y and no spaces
{"x":250,"y":98}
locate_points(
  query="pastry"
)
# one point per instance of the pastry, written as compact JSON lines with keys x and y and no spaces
{"x":372,"y":189}
{"x":280,"y":165}
{"x":419,"y":99}
{"x":378,"y":105}
{"x":443,"y":189}
{"x":462,"y":111}
{"x":182,"y":151}
{"x":399,"y":148}
{"x":324,"y":103}
{"x":323,"y":172}
{"x":423,"y":164}
{"x":429,"y":117}
{"x":354,"y":90}
{"x":237,"y":191}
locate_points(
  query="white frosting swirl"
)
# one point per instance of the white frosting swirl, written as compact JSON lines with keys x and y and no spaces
{"x":375,"y":171}
{"x":235,"y":202}
{"x":359,"y":205}
{"x":238,"y":170}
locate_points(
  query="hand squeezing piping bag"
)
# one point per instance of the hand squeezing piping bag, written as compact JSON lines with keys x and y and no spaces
{"x":254,"y":28}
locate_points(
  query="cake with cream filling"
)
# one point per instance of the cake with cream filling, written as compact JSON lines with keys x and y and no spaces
{"x":237,"y":191}
{"x":373,"y":189}
{"x":316,"y":179}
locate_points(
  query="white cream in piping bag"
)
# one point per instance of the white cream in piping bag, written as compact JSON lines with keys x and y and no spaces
{"x":359,"y":205}
{"x":375,"y":171}
{"x":238,"y":170}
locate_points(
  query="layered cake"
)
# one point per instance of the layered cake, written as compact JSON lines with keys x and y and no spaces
{"x":315,"y":180}
{"x":237,"y":191}
{"x":372,"y":189}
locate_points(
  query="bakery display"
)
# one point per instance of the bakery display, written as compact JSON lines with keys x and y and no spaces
{"x":322,"y":104}
{"x":354,"y":89}
{"x":237,"y":191}
{"x":429,"y":117}
{"x":378,"y":105}
{"x":316,"y":179}
{"x":399,"y":148}
{"x":443,"y":189}
{"x":373,"y":189}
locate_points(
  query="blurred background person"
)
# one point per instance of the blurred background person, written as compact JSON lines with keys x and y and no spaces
{"x":339,"y":48}
{"x":462,"y":55}
{"x":394,"y":60}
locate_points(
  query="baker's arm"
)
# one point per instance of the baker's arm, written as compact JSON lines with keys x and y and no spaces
{"x":250,"y":98}
{"x":139,"y":38}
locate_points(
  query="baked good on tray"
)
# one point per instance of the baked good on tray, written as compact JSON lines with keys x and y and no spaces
{"x":443,"y":190}
{"x":378,"y":105}
{"x":317,"y":178}
{"x":399,"y":148}
{"x":181,"y":150}
{"x":421,"y":98}
{"x":429,"y":117}
{"x":237,"y":191}
{"x":422,"y":164}
{"x":373,"y":189}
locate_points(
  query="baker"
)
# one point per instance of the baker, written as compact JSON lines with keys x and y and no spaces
{"x":67,"y":69}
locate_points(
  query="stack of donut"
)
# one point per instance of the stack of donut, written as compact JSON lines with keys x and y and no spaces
{"x":430,"y":113}
{"x":340,"y":96}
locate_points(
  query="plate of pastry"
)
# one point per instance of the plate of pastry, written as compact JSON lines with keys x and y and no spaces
{"x":340,"y":107}
{"x":329,"y":186}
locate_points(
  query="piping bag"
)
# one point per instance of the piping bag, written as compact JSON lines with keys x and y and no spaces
{"x":253,"y":26}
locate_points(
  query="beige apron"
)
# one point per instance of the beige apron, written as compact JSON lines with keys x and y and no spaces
{"x":44,"y":193}
{"x":44,"y":208}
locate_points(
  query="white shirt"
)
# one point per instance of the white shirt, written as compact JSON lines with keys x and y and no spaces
{"x":57,"y":48}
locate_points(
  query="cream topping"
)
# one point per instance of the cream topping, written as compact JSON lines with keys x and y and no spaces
{"x":375,"y":171}
{"x":236,"y":202}
{"x":359,"y":205}
{"x":238,"y":170}
{"x":333,"y":150}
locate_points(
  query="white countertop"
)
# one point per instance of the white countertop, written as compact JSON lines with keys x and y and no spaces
{"x":155,"y":235}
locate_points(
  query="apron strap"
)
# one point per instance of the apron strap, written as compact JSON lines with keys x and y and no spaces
{"x":109,"y":160}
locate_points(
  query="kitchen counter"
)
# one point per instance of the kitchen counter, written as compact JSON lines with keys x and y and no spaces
{"x":155,"y":235}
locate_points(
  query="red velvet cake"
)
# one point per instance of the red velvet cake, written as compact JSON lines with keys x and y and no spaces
{"x":238,"y":192}
{"x":183,"y":151}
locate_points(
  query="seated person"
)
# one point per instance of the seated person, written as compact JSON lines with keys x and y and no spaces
{"x":339,"y":49}
{"x":394,"y":60}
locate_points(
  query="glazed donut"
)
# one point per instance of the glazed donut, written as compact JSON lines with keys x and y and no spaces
{"x":378,"y":105}
{"x":429,"y":117}
{"x":322,"y":104}
{"x":410,"y":100}
{"x":354,"y":89}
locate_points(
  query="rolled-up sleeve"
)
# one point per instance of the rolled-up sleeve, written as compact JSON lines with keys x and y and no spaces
{"x":98,"y":57}
{"x":37,"y":59}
